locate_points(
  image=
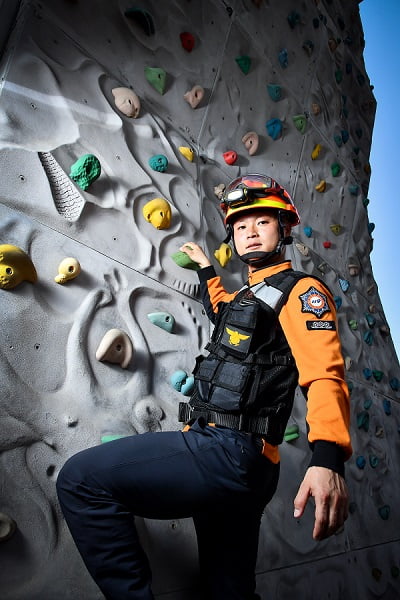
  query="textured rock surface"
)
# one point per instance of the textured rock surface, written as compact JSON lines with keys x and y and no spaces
{"x":57,"y":104}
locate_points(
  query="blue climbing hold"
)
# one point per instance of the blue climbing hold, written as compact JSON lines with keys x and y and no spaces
{"x":283,"y":58}
{"x":182,"y":382}
{"x":384,"y":512}
{"x":293,"y":19}
{"x":368,"y":338}
{"x":367,"y":373}
{"x":371,"y":227}
{"x":308,"y":231}
{"x":344,"y":284}
{"x":338,"y":140}
{"x":338,"y":302}
{"x":394,"y":384}
{"x":274,"y":91}
{"x":373,"y":460}
{"x":361,"y":462}
{"x":367,"y":403}
{"x":159,"y":163}
{"x":363,"y":420}
{"x":345,"y":135}
{"x":354,"y":189}
{"x":274,"y":128}
{"x":387,"y":406}
{"x":370,"y":320}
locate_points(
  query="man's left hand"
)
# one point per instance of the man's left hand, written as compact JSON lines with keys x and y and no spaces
{"x":329,"y":491}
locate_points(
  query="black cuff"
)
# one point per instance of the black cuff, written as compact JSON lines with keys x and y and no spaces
{"x":206,"y":273}
{"x":329,"y":455}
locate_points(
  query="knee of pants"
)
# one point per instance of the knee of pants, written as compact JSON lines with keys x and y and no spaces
{"x":68,"y":476}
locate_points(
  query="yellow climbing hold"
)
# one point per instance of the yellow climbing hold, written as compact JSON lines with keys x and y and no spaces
{"x":336,"y":229}
{"x":223,"y":254}
{"x":158,"y":213}
{"x":15,"y":267}
{"x":321,"y":187}
{"x":187,"y":152}
{"x":316,"y":152}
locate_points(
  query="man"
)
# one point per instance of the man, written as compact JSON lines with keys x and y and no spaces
{"x":223,"y":468}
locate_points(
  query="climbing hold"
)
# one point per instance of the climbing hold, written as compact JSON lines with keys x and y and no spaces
{"x":293,"y":19}
{"x":384,"y":512}
{"x":379,"y":431}
{"x":183,"y":260}
{"x":291,"y":433}
{"x":111,"y":437}
{"x":367,"y":403}
{"x":274,"y":91}
{"x":338,"y":140}
{"x":368,"y":338}
{"x":360,"y":78}
{"x":333,"y":44}
{"x":387,"y":406}
{"x":164,"y":320}
{"x":244,"y":62}
{"x":373,"y":460}
{"x":350,"y":386}
{"x":321,"y":186}
{"x":230,"y":157}
{"x":158,"y":213}
{"x":7,"y":527}
{"x":371,"y":227}
{"x":308,"y":47}
{"x":377,"y":375}
{"x":283,"y":58}
{"x":223,"y":254}
{"x":194,"y":96}
{"x":316,"y":152}
{"x":126,"y":101}
{"x":187,"y":152}
{"x":370,"y":320}
{"x":323,"y":267}
{"x":187,"y":40}
{"x":384,"y":329}
{"x":304,"y":250}
{"x":142,"y":18}
{"x":394,"y":384}
{"x":69,"y":268}
{"x":85,"y":170}
{"x":338,"y":75}
{"x":327,"y":244}
{"x":315,"y":109}
{"x":308,"y":231}
{"x":219,"y":190}
{"x":274,"y":128}
{"x":157,"y":77}
{"x":335,"y":168}
{"x":348,"y":362}
{"x":182,"y":382}
{"x":336,"y":229}
{"x":159,"y":163}
{"x":361,"y":462}
{"x":251,"y":141}
{"x":367,"y":373}
{"x":363,"y":420}
{"x":344,"y":284}
{"x":354,"y":268}
{"x":15,"y":266}
{"x":300,"y":122}
{"x":345,"y":135}
{"x":338,"y":302}
{"x":353,"y":324}
{"x":115,"y":347}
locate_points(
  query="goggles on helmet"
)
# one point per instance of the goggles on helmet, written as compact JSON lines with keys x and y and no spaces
{"x":256,"y":191}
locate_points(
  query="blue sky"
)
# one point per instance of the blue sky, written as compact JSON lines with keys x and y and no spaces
{"x":380,"y":19}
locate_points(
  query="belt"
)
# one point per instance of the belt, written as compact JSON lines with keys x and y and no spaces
{"x":247,"y":423}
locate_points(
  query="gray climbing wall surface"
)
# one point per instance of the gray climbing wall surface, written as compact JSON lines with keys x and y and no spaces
{"x":215,"y":89}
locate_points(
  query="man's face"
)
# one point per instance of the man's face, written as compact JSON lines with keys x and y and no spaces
{"x":257,"y":231}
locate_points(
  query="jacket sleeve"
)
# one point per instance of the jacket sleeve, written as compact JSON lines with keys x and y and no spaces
{"x":310,"y":325}
{"x":212,"y":291}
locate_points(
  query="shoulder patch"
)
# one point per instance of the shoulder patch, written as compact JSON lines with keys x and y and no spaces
{"x":315,"y":302}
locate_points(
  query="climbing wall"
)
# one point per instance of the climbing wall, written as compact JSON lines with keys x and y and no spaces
{"x":119,"y":124}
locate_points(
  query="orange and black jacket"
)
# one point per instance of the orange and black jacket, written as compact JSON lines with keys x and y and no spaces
{"x":308,"y":320}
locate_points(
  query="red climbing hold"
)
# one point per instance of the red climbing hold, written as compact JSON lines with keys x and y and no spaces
{"x":187,"y":40}
{"x":327,"y":244}
{"x":230,"y":157}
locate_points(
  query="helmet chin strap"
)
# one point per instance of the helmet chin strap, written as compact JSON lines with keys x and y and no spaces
{"x":263,"y":259}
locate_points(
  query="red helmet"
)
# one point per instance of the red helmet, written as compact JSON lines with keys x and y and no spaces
{"x":254,"y":191}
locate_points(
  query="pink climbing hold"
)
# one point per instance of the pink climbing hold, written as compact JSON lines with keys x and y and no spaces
{"x":187,"y":41}
{"x":230,"y":157}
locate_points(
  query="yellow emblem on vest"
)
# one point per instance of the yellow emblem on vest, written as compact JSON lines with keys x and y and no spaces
{"x":235,"y":337}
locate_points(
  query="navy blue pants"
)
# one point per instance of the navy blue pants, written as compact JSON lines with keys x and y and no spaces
{"x":215,"y":475}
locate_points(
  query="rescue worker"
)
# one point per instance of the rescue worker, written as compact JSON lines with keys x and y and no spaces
{"x":222,"y":469}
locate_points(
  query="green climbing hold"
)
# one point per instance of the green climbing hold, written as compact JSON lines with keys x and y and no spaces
{"x":164,"y":320}
{"x":338,"y":75}
{"x":183,"y":260}
{"x":377,"y":375}
{"x":142,"y":18}
{"x":244,"y":62}
{"x":300,"y":122}
{"x":373,"y":460}
{"x":335,"y":168}
{"x":157,"y":77}
{"x":291,"y":433}
{"x":111,"y":438}
{"x":353,"y":324}
{"x":85,"y":170}
{"x":363,"y":420}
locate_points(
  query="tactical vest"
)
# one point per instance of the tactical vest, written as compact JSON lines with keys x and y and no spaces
{"x":249,"y":378}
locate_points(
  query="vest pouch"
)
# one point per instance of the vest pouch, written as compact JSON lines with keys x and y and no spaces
{"x":238,"y":329}
{"x":230,"y":383}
